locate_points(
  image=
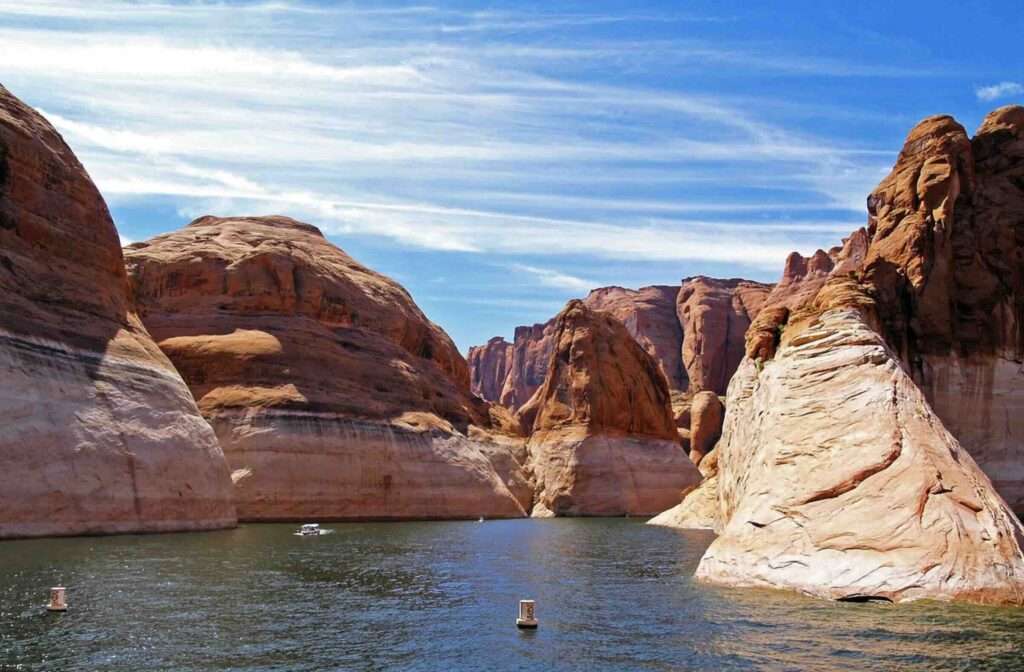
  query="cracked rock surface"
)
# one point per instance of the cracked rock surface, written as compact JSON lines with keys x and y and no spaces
{"x":838,"y":480}
{"x":872,"y":436}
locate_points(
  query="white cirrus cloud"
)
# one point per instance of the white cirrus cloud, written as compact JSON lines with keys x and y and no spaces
{"x":552,"y":278}
{"x":440,"y":129}
{"x":1000,"y":90}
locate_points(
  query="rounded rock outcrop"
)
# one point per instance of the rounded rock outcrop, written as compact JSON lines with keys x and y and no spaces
{"x":333,"y":395}
{"x":603,"y":440}
{"x":98,"y":432}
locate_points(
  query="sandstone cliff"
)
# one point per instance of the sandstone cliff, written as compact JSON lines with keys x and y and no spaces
{"x":527,"y":365}
{"x":946,"y":265}
{"x":845,"y":466}
{"x":715,"y":315}
{"x":836,"y":479}
{"x":488,"y":366}
{"x":98,"y":433}
{"x":332,"y":394}
{"x":694,"y":331}
{"x":649,"y":315}
{"x":603,"y":439}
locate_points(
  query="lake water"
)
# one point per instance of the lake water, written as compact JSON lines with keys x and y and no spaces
{"x":612,"y":594}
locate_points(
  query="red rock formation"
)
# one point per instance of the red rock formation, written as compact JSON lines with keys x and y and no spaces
{"x":332,"y":394}
{"x":838,"y":476}
{"x":707,"y":413}
{"x":649,"y":314}
{"x":98,"y":433}
{"x":531,"y":350}
{"x":946,"y":266}
{"x":802,"y":278}
{"x":715,"y":315}
{"x":604,"y":441}
{"x":699,"y":508}
{"x":489,"y":366}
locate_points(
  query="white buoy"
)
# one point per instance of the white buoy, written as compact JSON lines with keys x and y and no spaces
{"x":58,"y":602}
{"x":527,"y":614}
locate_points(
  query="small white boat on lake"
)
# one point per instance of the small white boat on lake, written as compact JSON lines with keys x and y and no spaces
{"x":310,"y":530}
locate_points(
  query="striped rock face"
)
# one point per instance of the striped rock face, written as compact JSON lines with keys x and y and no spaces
{"x":603,"y":438}
{"x":871,"y":446}
{"x":332,"y":394}
{"x":98,"y":432}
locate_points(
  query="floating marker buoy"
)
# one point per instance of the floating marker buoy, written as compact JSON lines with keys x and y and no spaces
{"x":527,"y":614}
{"x":57,"y":600}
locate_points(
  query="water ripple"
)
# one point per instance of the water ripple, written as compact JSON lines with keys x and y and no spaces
{"x":612,"y":595}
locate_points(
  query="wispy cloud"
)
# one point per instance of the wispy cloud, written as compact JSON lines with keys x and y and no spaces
{"x":552,"y":278}
{"x":441,"y":129}
{"x":1000,"y":90}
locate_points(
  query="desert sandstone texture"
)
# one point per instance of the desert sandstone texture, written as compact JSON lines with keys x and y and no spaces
{"x":882,"y":380}
{"x":695,"y":332}
{"x":98,"y":432}
{"x":603,"y":440}
{"x":333,"y":396}
{"x":868,"y":447}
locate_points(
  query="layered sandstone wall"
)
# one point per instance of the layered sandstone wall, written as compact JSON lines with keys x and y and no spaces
{"x":603,"y":439}
{"x":333,"y":396}
{"x":98,"y":432}
{"x":489,"y":366}
{"x":527,"y":367}
{"x":715,"y":315}
{"x":881,"y":384}
{"x":649,"y":315}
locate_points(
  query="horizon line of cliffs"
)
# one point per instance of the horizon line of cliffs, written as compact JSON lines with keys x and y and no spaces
{"x":247,"y":369}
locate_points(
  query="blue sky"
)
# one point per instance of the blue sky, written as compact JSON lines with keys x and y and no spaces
{"x":500,"y":158}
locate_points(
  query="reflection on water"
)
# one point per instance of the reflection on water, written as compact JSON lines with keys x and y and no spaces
{"x":611,"y":594}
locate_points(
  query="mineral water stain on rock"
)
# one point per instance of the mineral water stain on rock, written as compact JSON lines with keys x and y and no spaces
{"x":614,"y":595}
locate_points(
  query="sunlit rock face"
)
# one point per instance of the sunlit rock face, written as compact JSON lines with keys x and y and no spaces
{"x":945,"y":267}
{"x":98,"y":432}
{"x":715,"y":315}
{"x":859,"y":426}
{"x":488,"y":366}
{"x":527,"y":365}
{"x":333,"y":396}
{"x":965,"y":349}
{"x":694,"y":331}
{"x":698,"y":509}
{"x":603,"y":439}
{"x":649,"y":315}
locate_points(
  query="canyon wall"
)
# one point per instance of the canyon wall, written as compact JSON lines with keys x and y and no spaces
{"x":694,"y":331}
{"x":603,"y":440}
{"x":331,"y":393}
{"x":488,"y":366}
{"x":649,"y":315}
{"x":98,"y":432}
{"x":880,"y":386}
{"x":715,"y":315}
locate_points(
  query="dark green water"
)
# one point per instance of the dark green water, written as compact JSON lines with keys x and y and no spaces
{"x":612,"y":594}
